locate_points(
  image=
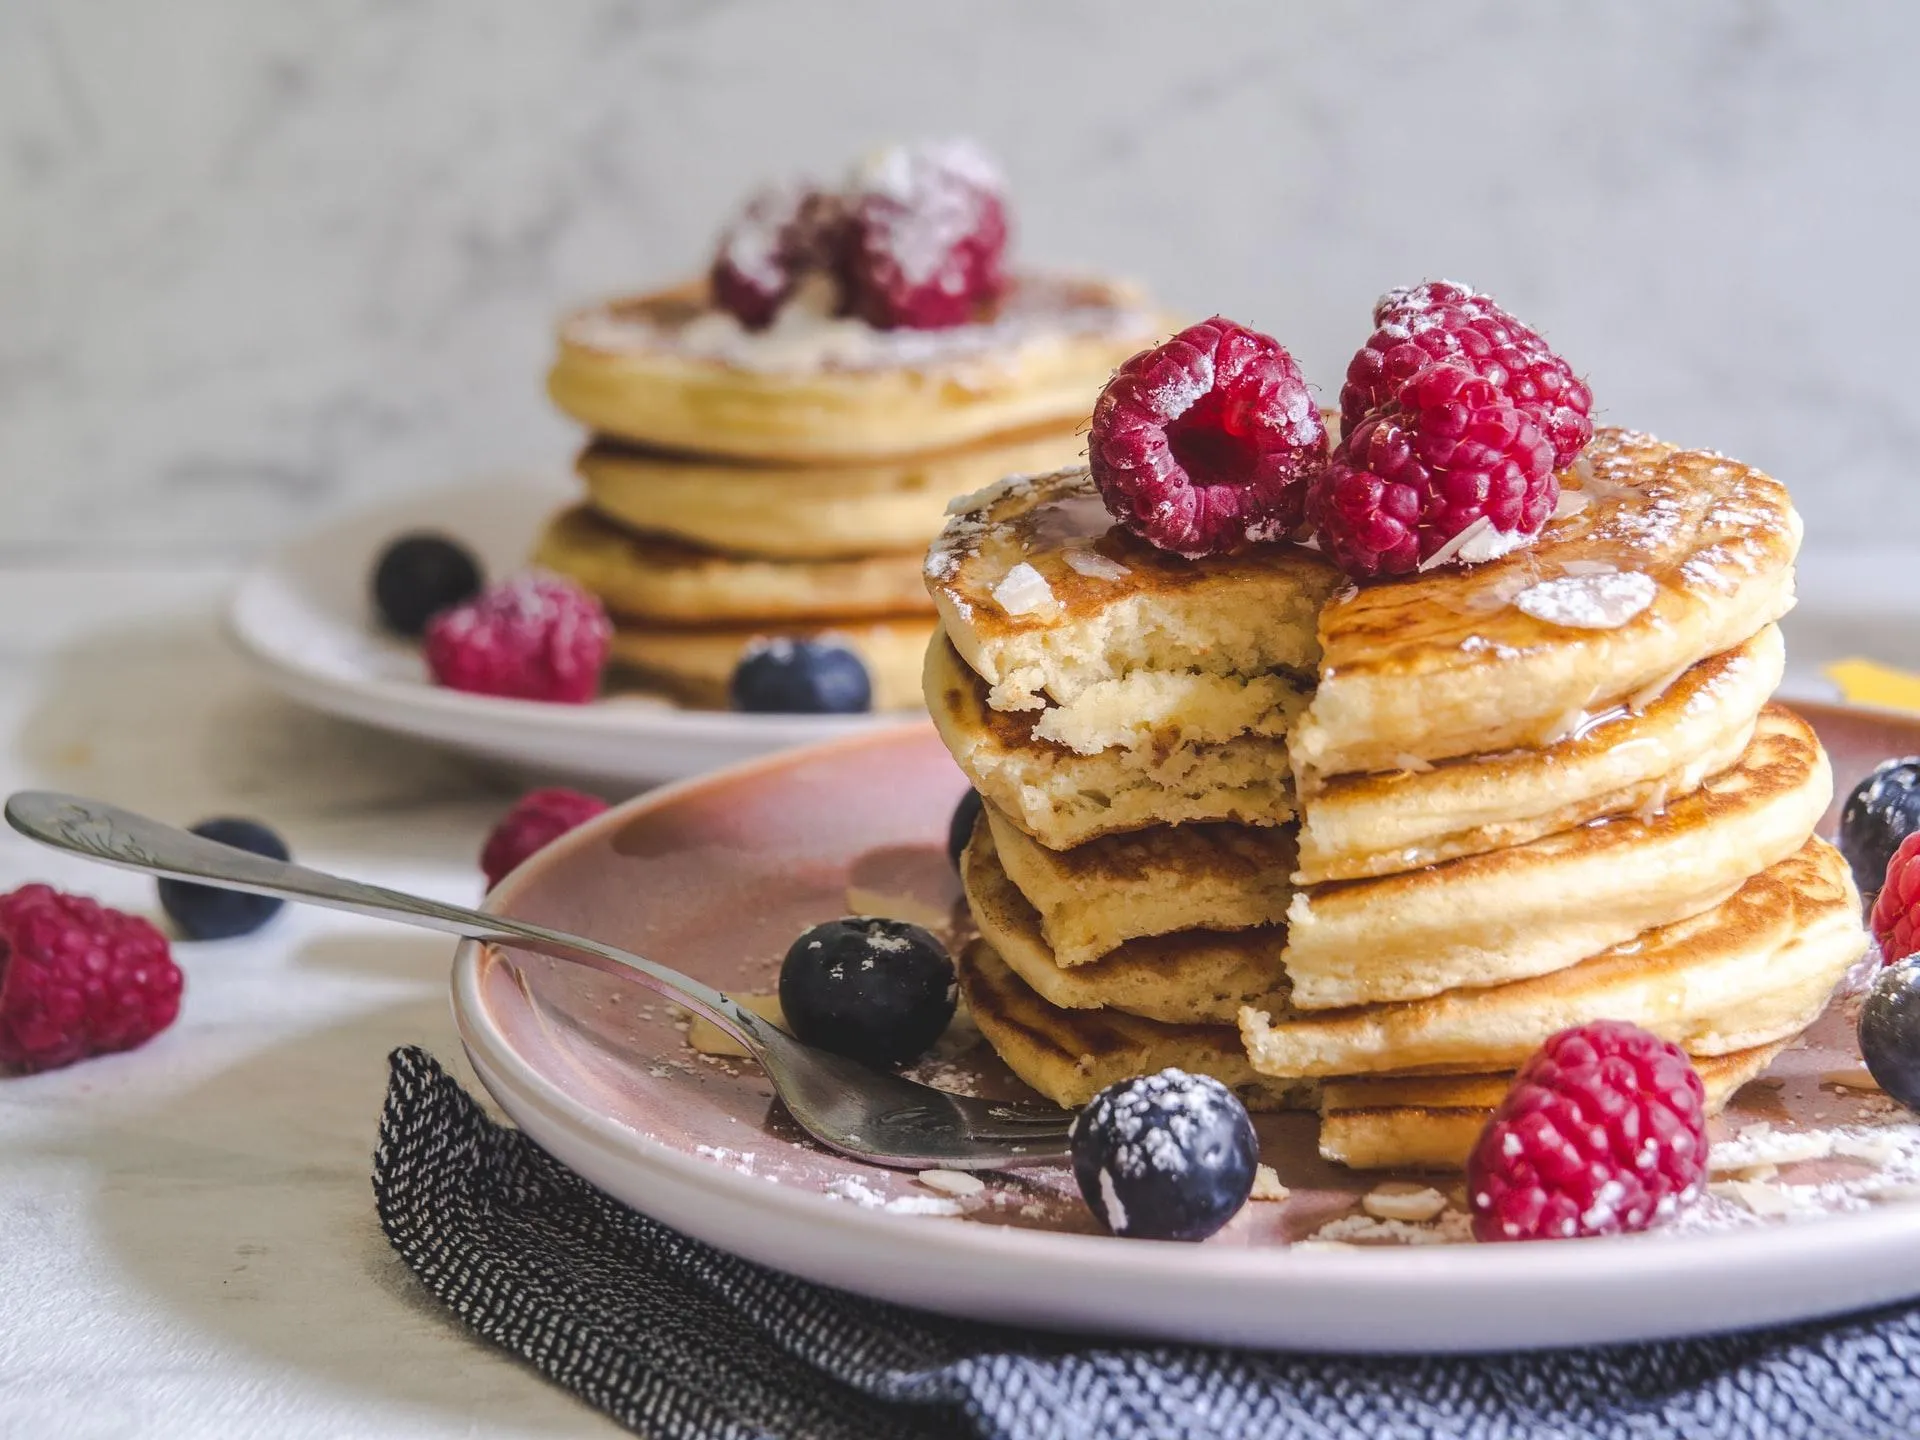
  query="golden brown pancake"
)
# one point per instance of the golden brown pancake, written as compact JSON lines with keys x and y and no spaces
{"x":1063,"y":799}
{"x":806,"y":512}
{"x":1530,"y":909}
{"x":651,"y":578}
{"x":1194,"y":977}
{"x":1753,"y":970}
{"x":1156,"y":881}
{"x":1503,"y":655}
{"x":1069,"y":1056}
{"x":670,"y":371}
{"x":1635,"y":757}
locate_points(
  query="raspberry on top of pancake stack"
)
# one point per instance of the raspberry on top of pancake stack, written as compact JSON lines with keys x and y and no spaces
{"x":1348,"y":768}
{"x":773,"y":445}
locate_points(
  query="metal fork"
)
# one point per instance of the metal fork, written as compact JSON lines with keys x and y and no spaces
{"x":865,"y":1113}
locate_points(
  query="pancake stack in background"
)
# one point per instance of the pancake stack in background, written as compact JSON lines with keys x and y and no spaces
{"x":1363,"y":848}
{"x":774,"y":448}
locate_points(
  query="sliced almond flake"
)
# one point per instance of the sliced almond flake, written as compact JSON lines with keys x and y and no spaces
{"x":1446,"y":554}
{"x":709,"y":1039}
{"x":1095,"y":566}
{"x":1588,"y":567}
{"x":1401,"y":1200}
{"x":1861,"y":1079}
{"x":1266,"y":1184}
{"x":1023,"y":590}
{"x":1757,"y":1195}
{"x":1868,"y":1149}
{"x":953,"y":1182}
{"x":1571,"y":502}
{"x":1589,"y":602}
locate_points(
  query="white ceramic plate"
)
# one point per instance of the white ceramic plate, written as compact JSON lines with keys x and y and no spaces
{"x":304,"y":617}
{"x":717,"y":875}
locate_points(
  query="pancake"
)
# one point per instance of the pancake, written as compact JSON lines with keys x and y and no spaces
{"x":693,"y":664}
{"x":1393,"y":1122}
{"x":1155,"y":881}
{"x":1063,"y":799}
{"x":1535,"y":908}
{"x":1512,"y":653}
{"x":1069,"y":1056}
{"x":1373,"y":1122}
{"x":670,"y":371}
{"x":1753,"y":970}
{"x":819,"y":512}
{"x":1358,"y":826}
{"x":1194,"y":977}
{"x":649,"y":577}
{"x":1096,"y":605}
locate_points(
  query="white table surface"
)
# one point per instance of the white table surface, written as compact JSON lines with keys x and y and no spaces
{"x":191,"y":1247}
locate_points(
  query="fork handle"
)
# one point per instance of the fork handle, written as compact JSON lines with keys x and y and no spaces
{"x":119,"y":837}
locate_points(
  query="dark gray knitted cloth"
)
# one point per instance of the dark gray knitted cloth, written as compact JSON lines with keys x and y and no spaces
{"x":679,"y":1341}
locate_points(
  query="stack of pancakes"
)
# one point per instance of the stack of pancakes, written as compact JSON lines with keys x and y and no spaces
{"x":742,"y":486}
{"x":1364,"y":848}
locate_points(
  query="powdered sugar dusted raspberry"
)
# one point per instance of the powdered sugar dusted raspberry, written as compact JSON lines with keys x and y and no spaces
{"x":1604,"y":1132}
{"x":1446,"y":453}
{"x":533,"y":637}
{"x":927,"y":235}
{"x":1205,"y":444}
{"x":1443,"y":321}
{"x":78,"y":979}
{"x":784,"y":233}
{"x":1896,"y":910}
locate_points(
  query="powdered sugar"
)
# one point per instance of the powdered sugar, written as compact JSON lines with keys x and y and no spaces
{"x":1094,"y":565}
{"x":1589,"y":602}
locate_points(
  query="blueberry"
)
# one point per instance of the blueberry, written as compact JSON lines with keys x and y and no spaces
{"x":1890,"y":1031}
{"x":418,"y":576}
{"x":1882,"y":811}
{"x":801,"y":677}
{"x":960,"y":828}
{"x":874,"y":989}
{"x":206,"y":912}
{"x":1165,"y":1157}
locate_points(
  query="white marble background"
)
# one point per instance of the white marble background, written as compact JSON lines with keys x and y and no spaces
{"x":260,"y":262}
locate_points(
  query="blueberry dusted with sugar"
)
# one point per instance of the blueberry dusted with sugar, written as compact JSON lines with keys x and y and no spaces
{"x":874,"y":989}
{"x":1165,"y":1157}
{"x":418,"y":576}
{"x":960,"y":828}
{"x":1890,"y":1031}
{"x":207,"y":912}
{"x":1882,"y":811}
{"x":801,"y":677}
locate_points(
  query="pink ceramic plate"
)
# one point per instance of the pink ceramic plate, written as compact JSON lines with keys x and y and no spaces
{"x":717,"y":875}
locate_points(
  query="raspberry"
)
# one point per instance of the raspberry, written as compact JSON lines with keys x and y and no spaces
{"x":537,"y":819}
{"x":78,"y":979}
{"x":927,"y":232}
{"x":1205,"y":444}
{"x":534,"y":637}
{"x":1603,"y":1132}
{"x":1896,"y":913}
{"x":1448,"y":452}
{"x":1444,"y":321}
{"x":783,"y":234}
